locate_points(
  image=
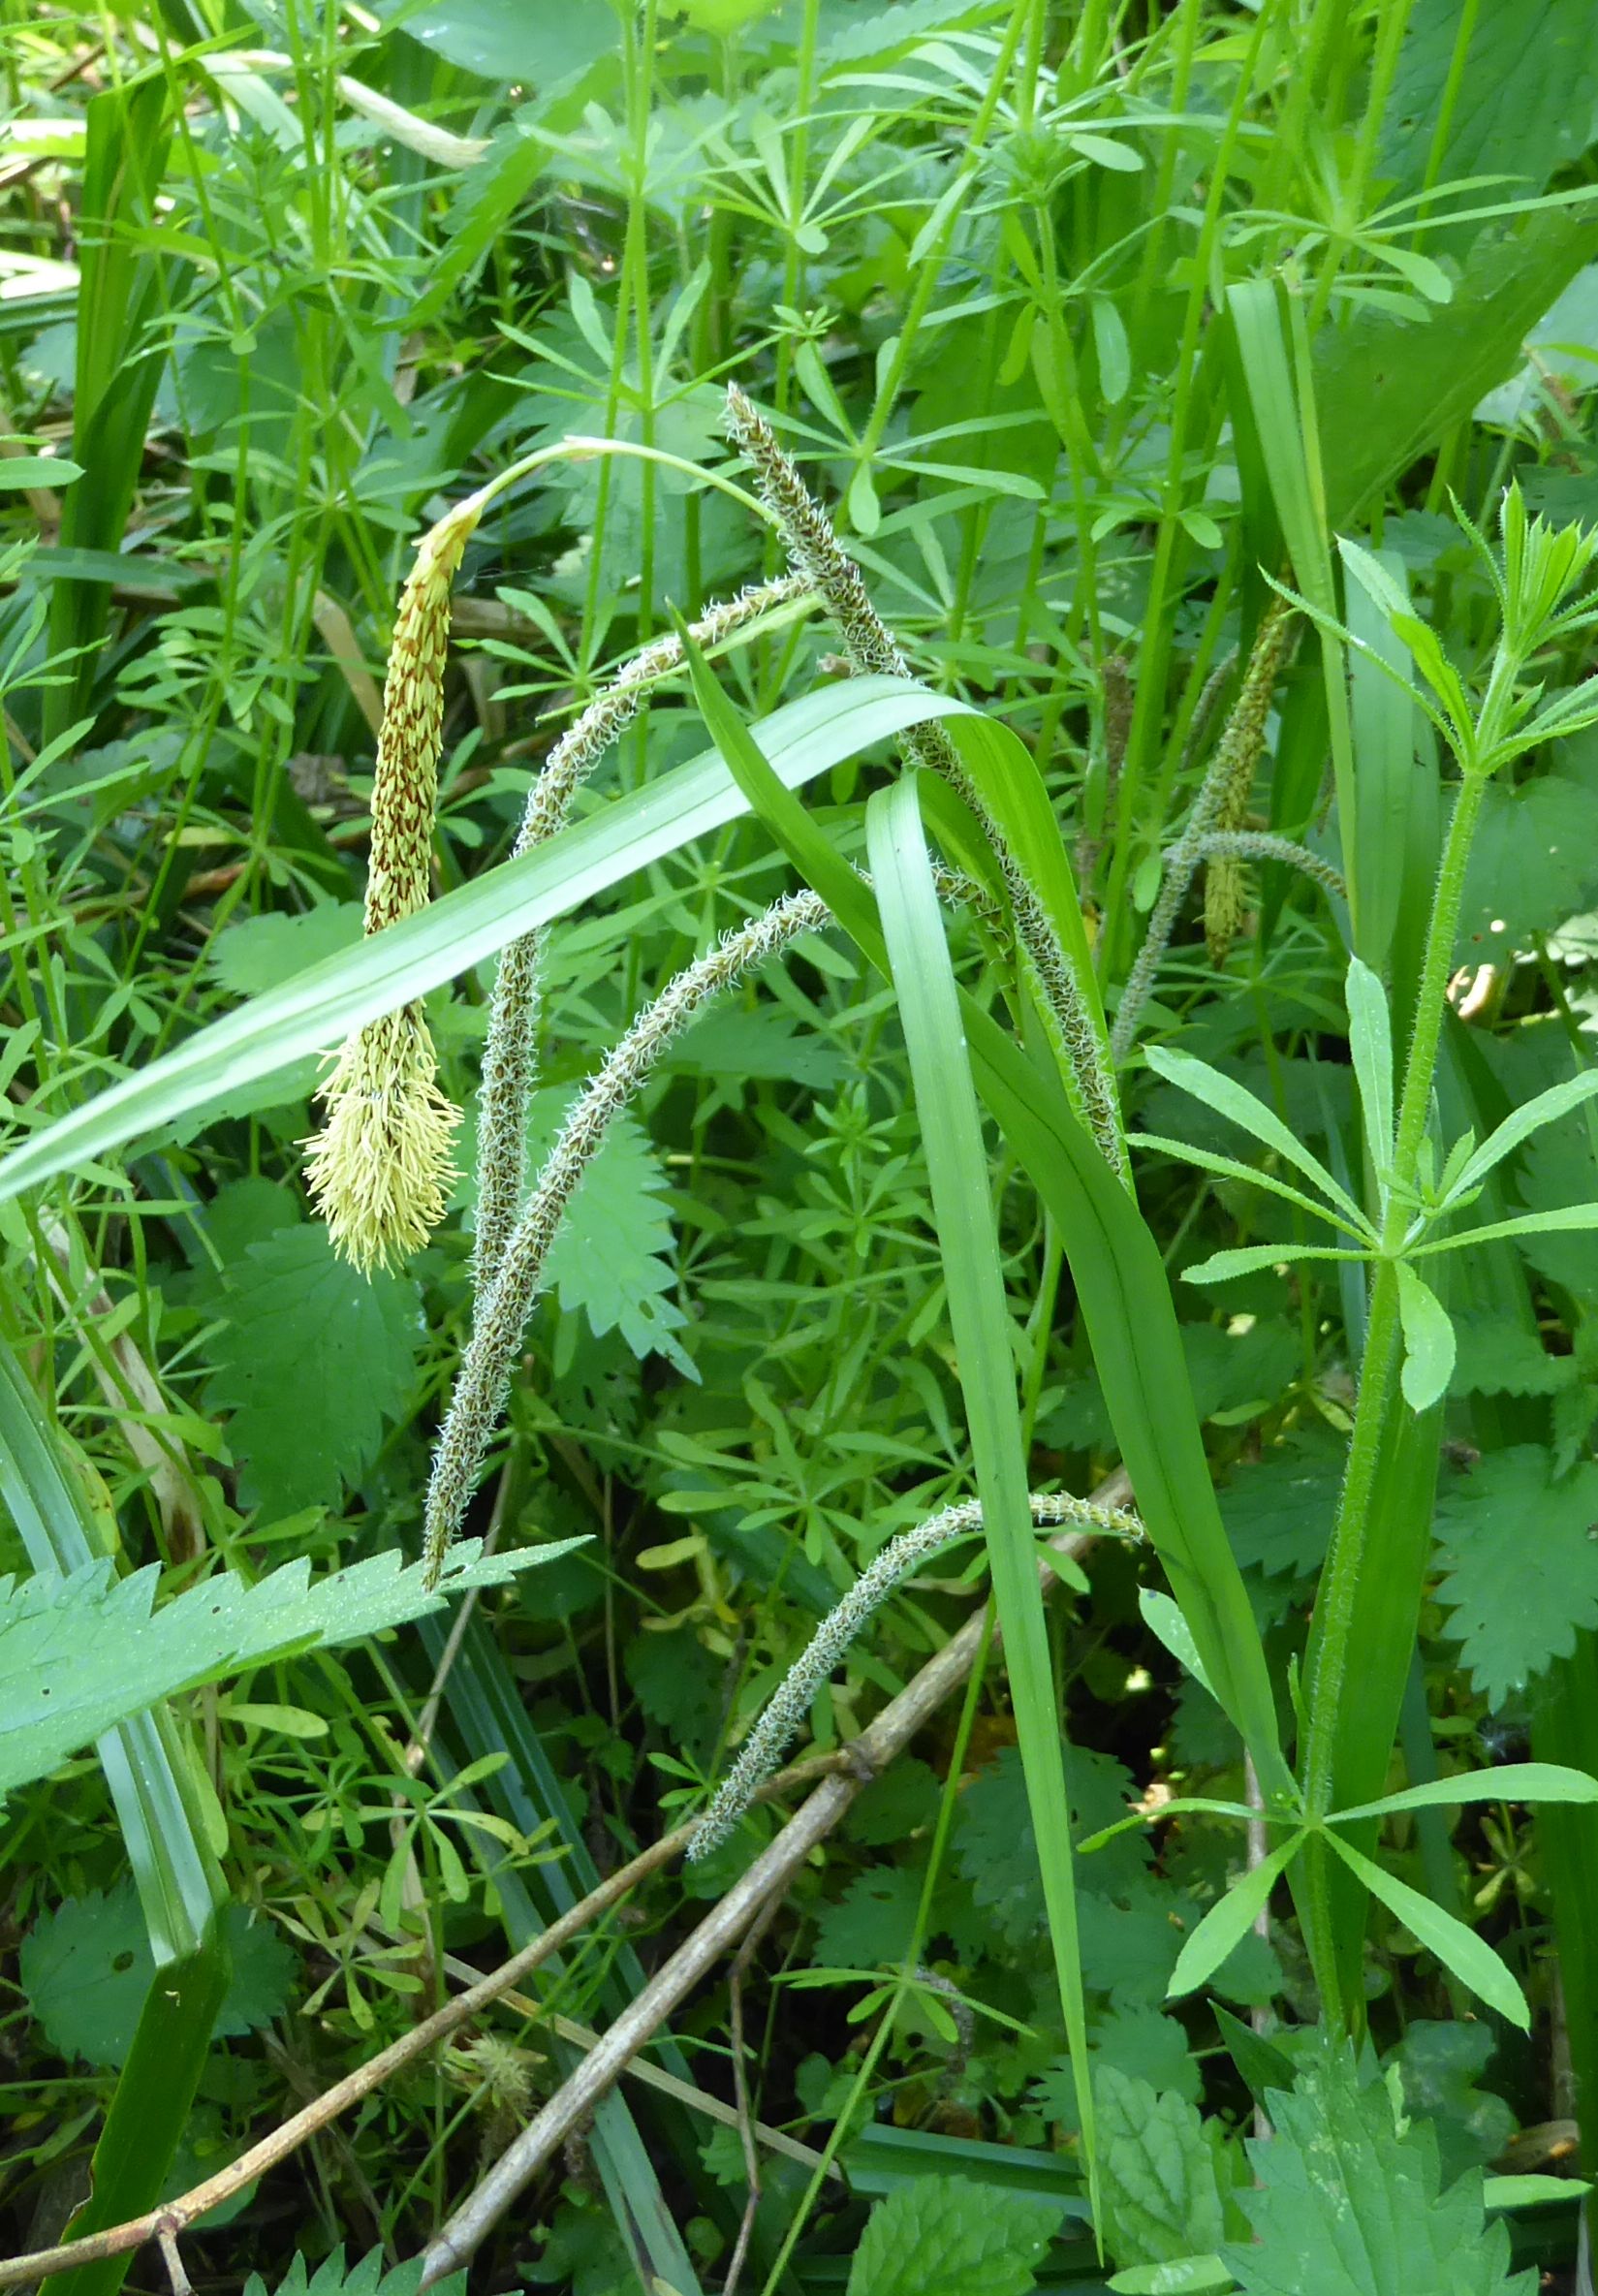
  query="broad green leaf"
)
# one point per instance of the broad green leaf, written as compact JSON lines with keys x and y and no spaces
{"x":86,"y":1966}
{"x":948,"y":2236}
{"x":1428,"y":1340}
{"x":1513,"y":1782}
{"x":1533,"y":861}
{"x":1234,"y":1101}
{"x":1382,"y":708}
{"x":537,"y":45}
{"x":1230,"y":1918}
{"x":1532,"y":2192}
{"x":82,"y":1652}
{"x":315,"y":1010}
{"x":1182,"y":2276}
{"x":1460,"y":1950}
{"x":1522,"y":1566}
{"x":1347,"y":2201}
{"x":1370,"y":1045}
{"x":1404,"y":638}
{"x":17,"y":471}
{"x":311,"y":1363}
{"x":1385,"y":388}
{"x":1161,"y":2200}
{"x":1518,"y":101}
{"x":611,"y":1257}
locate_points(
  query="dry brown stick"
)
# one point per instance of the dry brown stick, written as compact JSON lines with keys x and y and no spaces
{"x":772,"y":1874}
{"x":743,"y":1960}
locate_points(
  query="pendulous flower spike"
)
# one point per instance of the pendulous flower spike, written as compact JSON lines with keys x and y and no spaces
{"x":380,"y":1170}
{"x":784,"y":1717}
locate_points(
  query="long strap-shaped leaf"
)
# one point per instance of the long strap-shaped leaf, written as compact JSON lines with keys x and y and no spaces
{"x":316,"y":1010}
{"x":181,"y":1885}
{"x":957,"y":1164}
{"x":1120,"y":1280}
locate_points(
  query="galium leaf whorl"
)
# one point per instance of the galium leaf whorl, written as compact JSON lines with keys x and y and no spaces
{"x":381,"y":1170}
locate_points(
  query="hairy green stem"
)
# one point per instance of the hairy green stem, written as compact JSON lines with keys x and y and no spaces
{"x":1334,"y":1605}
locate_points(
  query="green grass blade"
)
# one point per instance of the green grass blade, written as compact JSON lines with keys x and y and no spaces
{"x":1564,"y":1728}
{"x":317,"y":1008}
{"x":486,"y":1706}
{"x":149,"y":2109}
{"x":1277,"y":385}
{"x":958,"y":1167}
{"x":1384,"y":730}
{"x":114,"y":387}
{"x":1005,"y":774}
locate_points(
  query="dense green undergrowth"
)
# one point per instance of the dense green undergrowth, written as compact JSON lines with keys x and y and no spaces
{"x":1178,"y":1097}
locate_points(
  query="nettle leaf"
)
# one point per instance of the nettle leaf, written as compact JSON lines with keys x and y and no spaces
{"x":79,"y":1655}
{"x":312,"y":1361}
{"x":1521,"y":1565}
{"x":1278,"y":1514}
{"x":1526,"y":93}
{"x":947,"y":2236}
{"x":1440,"y":2065}
{"x":996,"y":1848}
{"x":367,"y":2277}
{"x":871,"y":1923}
{"x":1557,"y":1168}
{"x":611,"y":1260}
{"x":1348,"y":2201}
{"x":1157,"y":2172}
{"x":1533,"y":863}
{"x":86,"y":1968}
{"x":760,"y":1042}
{"x":1498,"y":1356}
{"x":1149,"y":2046}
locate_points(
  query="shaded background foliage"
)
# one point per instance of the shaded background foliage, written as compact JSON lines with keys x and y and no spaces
{"x":283,"y":283}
